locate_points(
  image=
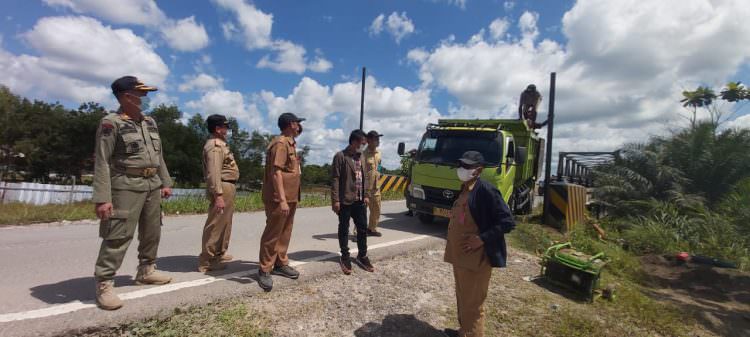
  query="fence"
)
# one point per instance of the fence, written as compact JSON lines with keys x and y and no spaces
{"x":43,"y":194}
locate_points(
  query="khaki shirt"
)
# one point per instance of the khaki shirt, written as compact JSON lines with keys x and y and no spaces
{"x":372,"y":163}
{"x":281,"y":154}
{"x":218,"y":165}
{"x":123,"y":143}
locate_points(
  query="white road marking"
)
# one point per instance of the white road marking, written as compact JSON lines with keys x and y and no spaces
{"x":78,"y":305}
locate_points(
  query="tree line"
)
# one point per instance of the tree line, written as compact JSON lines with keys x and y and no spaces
{"x":48,"y":143}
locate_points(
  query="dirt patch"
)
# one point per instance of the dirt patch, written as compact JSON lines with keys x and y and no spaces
{"x":719,"y":297}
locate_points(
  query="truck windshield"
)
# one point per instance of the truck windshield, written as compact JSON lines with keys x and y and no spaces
{"x":447,"y":149}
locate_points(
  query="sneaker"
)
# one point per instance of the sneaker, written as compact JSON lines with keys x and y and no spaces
{"x":346,"y":264}
{"x":226,"y":258}
{"x":364,"y":262}
{"x":286,"y":271}
{"x":265,"y":281}
{"x":106,"y":298}
{"x":374,"y":233}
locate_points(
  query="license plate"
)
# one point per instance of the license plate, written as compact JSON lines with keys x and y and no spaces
{"x":446,"y":213}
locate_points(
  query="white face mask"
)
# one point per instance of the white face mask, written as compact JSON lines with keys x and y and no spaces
{"x":362,"y":148}
{"x":465,"y":174}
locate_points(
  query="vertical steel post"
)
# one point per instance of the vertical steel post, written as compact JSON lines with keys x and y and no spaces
{"x":548,"y":163}
{"x":362,"y":102}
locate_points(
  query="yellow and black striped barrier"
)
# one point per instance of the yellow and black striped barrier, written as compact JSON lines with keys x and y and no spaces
{"x":567,"y":205}
{"x":392,"y":183}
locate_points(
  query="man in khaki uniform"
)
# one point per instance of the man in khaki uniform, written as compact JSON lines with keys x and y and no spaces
{"x":221,"y":174}
{"x":372,"y":168}
{"x":281,"y":193}
{"x":130,"y":178}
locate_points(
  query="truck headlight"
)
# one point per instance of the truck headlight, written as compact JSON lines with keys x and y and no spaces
{"x":416,"y":191}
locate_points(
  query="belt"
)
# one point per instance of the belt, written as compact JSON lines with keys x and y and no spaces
{"x":146,"y":172}
{"x":229,"y":181}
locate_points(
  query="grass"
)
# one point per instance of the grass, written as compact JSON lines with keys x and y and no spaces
{"x":631,"y":313}
{"x":233,"y":319}
{"x":22,"y":214}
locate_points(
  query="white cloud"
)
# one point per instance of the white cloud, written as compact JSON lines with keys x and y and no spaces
{"x":620,"y":72}
{"x":230,"y":104}
{"x":290,"y":58}
{"x":185,"y":35}
{"x":76,"y":61}
{"x":182,"y":35}
{"x":742,"y":122}
{"x":138,"y":12}
{"x":398,"y":25}
{"x":201,"y":82}
{"x":498,"y":28}
{"x":458,"y":3}
{"x":162,"y":98}
{"x":253,"y":27}
{"x":395,"y":111}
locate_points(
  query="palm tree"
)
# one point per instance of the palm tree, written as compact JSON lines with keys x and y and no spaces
{"x":702,"y":97}
{"x":734,"y":91}
{"x":638,"y":179}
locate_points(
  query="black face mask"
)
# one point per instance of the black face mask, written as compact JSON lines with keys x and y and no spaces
{"x":300,"y":129}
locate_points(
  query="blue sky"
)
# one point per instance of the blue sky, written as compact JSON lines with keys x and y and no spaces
{"x":621,"y":64}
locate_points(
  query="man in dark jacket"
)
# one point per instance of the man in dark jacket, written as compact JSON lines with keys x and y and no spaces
{"x":349,"y":191}
{"x":476,"y":243}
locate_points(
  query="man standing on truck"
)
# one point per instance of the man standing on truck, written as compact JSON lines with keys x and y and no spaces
{"x":528,"y":104}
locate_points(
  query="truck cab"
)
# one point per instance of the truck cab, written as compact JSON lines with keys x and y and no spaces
{"x":511,"y":151}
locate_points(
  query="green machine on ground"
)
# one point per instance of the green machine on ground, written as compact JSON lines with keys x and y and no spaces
{"x":574,"y":270}
{"x":512,"y":150}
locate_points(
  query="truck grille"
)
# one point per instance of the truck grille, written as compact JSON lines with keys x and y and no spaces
{"x":437,"y":196}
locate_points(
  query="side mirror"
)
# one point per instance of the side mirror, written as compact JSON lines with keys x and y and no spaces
{"x":521,"y":153}
{"x":401,"y":149}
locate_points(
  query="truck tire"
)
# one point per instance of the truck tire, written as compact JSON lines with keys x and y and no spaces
{"x":426,"y":218}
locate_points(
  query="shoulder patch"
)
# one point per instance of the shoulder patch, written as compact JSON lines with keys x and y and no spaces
{"x":107,"y":128}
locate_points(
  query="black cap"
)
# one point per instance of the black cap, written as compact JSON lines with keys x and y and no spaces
{"x":287,"y":118}
{"x":472,"y":158}
{"x":126,"y":83}
{"x":216,"y":120}
{"x":531,"y":87}
{"x":373,"y":134}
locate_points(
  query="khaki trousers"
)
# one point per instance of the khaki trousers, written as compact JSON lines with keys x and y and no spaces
{"x":274,"y":243}
{"x":374,"y":212}
{"x":471,"y":291}
{"x":130,"y":210}
{"x":218,"y":228}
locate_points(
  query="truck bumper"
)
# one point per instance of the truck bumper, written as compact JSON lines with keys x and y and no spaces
{"x":426,"y":207}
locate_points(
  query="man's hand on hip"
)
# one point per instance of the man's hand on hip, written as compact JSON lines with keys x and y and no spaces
{"x":103,"y":210}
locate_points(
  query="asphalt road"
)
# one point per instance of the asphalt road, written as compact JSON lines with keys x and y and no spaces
{"x":47,"y":285}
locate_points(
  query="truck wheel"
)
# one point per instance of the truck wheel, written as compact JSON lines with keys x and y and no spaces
{"x":426,"y":218}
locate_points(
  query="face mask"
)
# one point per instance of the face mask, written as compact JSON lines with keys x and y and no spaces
{"x":465,"y":174}
{"x":300,"y":130}
{"x":362,"y":148}
{"x":145,"y":103}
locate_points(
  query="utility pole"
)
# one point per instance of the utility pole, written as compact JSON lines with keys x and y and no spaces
{"x":548,"y":160}
{"x":362,"y":101}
